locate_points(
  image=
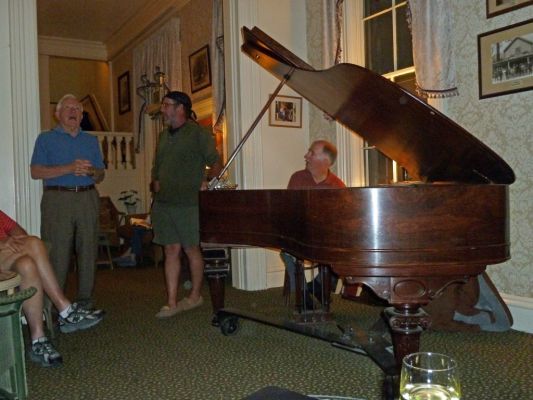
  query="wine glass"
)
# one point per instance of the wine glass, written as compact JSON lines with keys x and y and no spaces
{"x":429,"y":376}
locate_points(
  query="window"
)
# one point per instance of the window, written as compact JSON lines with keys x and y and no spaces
{"x":388,"y":51}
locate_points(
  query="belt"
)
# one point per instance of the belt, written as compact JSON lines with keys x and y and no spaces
{"x":70,"y":188}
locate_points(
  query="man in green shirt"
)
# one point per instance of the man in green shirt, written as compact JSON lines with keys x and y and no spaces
{"x":183,"y":152}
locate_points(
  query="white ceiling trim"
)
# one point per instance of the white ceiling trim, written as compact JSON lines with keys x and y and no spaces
{"x":140,"y":23}
{"x":72,"y":48}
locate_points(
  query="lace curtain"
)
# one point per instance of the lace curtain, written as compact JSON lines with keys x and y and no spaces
{"x":162,"y":49}
{"x":431,"y":28}
{"x":332,"y":29}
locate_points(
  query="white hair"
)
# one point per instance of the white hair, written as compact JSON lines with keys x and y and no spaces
{"x":66,"y":97}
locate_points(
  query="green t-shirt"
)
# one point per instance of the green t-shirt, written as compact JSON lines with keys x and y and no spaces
{"x":180,"y":162}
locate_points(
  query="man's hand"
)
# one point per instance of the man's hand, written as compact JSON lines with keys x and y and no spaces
{"x":82,"y":168}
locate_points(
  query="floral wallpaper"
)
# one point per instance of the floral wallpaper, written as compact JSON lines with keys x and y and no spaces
{"x":505,"y":124}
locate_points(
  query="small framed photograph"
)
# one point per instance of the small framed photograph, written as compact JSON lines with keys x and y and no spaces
{"x":497,"y":7}
{"x":505,"y":60}
{"x":286,"y":111}
{"x":124,"y":97}
{"x":200,"y":69}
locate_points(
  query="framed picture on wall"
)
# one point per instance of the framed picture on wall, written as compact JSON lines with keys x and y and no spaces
{"x":124,"y":97}
{"x":505,"y":60}
{"x":286,"y":111}
{"x":200,"y":69}
{"x":497,"y":7}
{"x":93,"y":117}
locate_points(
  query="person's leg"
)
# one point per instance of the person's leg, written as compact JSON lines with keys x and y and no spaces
{"x":137,"y":242}
{"x":196,"y":265}
{"x":41,"y":350}
{"x":87,"y":226}
{"x":32,"y":307}
{"x":36,"y":249}
{"x":290,"y":266}
{"x":172,"y":273}
{"x":57,"y":231}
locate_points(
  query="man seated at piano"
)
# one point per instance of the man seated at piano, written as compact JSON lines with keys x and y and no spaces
{"x":317,"y":175}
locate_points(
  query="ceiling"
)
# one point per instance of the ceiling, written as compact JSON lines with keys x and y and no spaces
{"x":92,"y":20}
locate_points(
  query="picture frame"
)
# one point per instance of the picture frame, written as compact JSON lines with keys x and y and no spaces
{"x":200,"y":69}
{"x":497,"y":7}
{"x":505,"y":60}
{"x":93,"y":117}
{"x":124,"y":96}
{"x":286,"y":111}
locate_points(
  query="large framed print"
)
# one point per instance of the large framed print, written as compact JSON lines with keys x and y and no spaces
{"x":497,"y":7}
{"x":505,"y":60}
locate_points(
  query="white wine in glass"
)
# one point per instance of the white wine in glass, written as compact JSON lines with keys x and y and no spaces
{"x":429,"y":376}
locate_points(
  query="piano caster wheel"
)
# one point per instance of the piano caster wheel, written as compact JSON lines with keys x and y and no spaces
{"x":229,"y":326}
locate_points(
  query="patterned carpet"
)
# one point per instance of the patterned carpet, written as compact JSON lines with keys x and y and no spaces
{"x":132,"y":355}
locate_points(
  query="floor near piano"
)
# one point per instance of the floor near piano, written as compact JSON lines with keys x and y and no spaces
{"x":132,"y":355}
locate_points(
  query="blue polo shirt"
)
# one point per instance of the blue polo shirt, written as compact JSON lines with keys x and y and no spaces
{"x":57,"y":147}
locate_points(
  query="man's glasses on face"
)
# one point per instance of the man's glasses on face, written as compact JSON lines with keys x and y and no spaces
{"x":167,"y":104}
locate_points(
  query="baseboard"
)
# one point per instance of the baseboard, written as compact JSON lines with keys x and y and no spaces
{"x":522,"y":310}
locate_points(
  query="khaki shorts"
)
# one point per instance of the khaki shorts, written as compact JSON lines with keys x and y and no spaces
{"x":176,"y":225}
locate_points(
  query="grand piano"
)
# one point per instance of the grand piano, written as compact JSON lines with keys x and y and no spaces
{"x":405,"y":242}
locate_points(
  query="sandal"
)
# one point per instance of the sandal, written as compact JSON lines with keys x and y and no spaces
{"x":186,"y":304}
{"x":167,"y":312}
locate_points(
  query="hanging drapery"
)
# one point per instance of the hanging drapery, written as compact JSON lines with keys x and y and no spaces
{"x":217,"y":55}
{"x":431,"y":29}
{"x":162,"y":49}
{"x":332,"y":23}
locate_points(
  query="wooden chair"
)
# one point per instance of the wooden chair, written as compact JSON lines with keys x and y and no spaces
{"x":110,"y":219}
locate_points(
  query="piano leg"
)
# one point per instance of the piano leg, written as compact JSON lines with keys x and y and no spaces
{"x":406,"y":324}
{"x":217,"y":284}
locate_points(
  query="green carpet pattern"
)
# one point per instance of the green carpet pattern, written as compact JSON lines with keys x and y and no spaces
{"x":133,"y":355}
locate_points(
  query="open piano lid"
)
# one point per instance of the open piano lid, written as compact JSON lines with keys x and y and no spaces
{"x":429,"y":145}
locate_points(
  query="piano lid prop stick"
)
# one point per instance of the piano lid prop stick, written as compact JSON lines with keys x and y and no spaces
{"x":213,"y":183}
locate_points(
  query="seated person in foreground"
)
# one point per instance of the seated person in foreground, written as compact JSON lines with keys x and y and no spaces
{"x":27,"y":256}
{"x":316,"y":175}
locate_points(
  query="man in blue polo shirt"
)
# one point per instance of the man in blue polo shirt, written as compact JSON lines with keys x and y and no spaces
{"x":69,"y":162}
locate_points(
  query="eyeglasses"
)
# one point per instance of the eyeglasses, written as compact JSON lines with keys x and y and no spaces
{"x":168,"y":104}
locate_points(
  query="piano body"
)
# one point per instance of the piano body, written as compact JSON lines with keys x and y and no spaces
{"x":406,"y":242}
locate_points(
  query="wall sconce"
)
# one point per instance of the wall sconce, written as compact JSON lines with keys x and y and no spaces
{"x":152,"y":92}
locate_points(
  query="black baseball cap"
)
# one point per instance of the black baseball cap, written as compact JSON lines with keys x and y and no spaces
{"x":180,"y":98}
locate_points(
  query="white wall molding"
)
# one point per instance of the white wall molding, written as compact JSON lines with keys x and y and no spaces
{"x":72,"y":48}
{"x":141,"y":23}
{"x":522,"y":310}
{"x":7,"y":175}
{"x":26,"y":109}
